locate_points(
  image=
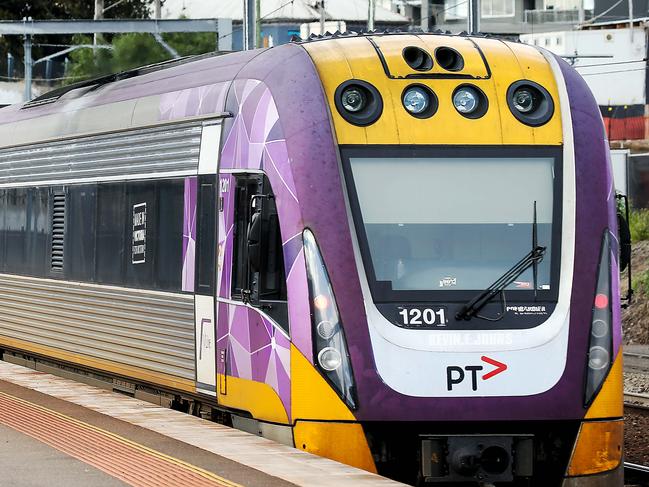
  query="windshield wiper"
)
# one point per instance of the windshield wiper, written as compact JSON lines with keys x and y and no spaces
{"x":470,"y":309}
{"x":533,"y":258}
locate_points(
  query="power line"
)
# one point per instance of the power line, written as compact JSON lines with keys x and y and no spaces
{"x":613,"y":72}
{"x":277,"y":9}
{"x":611,"y":63}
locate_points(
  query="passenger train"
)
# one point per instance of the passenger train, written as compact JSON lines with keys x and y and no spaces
{"x":399,"y":251}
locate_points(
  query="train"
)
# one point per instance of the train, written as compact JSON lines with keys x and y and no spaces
{"x":395,"y":250}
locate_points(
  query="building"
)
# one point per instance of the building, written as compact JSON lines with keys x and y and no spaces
{"x":612,"y":58}
{"x":513,"y":17}
{"x":282,"y":19}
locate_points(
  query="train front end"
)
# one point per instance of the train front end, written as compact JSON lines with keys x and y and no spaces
{"x":464,"y":277}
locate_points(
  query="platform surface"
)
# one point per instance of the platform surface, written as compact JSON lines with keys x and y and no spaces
{"x":57,"y":432}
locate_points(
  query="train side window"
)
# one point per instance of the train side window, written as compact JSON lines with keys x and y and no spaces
{"x":258,"y":266}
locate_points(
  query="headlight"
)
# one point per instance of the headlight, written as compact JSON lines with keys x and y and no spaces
{"x":524,"y":100}
{"x":470,"y":101}
{"x":329,"y":343}
{"x":530,"y":103}
{"x":353,"y":99}
{"x":358,"y":102}
{"x":600,"y":348}
{"x":329,"y":359}
{"x":419,"y":101}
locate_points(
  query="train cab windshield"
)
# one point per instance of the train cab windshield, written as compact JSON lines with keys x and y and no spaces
{"x":431,"y":221}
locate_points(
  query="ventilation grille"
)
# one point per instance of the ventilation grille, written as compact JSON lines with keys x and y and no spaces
{"x":129,"y":154}
{"x":58,"y":232}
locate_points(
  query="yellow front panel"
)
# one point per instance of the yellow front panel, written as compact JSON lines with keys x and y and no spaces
{"x":338,"y":60}
{"x":610,"y":399}
{"x":343,"y":442}
{"x":311,"y":395}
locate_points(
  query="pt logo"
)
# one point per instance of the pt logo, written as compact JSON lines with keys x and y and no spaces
{"x":456,"y":375}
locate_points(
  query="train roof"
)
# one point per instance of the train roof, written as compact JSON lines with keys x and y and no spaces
{"x":132,"y":98}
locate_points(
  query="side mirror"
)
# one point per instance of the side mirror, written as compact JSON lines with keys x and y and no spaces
{"x":624,"y":239}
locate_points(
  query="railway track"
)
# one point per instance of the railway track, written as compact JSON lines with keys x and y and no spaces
{"x":637,"y":361}
{"x":636,"y":401}
{"x":636,"y":474}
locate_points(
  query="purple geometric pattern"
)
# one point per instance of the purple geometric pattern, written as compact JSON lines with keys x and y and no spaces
{"x":203,"y":100}
{"x":189,"y":234}
{"x":259,"y":349}
{"x":256,"y":349}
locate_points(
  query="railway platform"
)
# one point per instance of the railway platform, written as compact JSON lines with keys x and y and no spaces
{"x":57,"y":432}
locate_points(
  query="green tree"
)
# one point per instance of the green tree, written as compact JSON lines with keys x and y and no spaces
{"x":134,"y":50}
{"x":60,"y":9}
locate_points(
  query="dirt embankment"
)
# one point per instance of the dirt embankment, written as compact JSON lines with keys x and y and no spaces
{"x":635,"y":318}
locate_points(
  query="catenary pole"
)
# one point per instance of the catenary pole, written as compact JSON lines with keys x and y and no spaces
{"x":99,"y":14}
{"x":425,"y":15}
{"x":27,"y":48}
{"x":473,"y":18}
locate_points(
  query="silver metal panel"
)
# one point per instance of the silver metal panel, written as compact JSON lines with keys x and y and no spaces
{"x":143,"y":152}
{"x":146,"y":329}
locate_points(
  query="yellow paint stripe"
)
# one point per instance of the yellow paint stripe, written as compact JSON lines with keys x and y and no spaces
{"x":155,"y":378}
{"x":125,"y":441}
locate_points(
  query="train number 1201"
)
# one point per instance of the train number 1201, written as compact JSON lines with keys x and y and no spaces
{"x":423,"y":317}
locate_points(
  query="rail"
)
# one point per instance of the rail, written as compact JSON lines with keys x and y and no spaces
{"x":636,"y":401}
{"x":634,"y":473}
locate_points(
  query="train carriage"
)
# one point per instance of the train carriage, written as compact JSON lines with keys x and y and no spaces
{"x":399,"y":251}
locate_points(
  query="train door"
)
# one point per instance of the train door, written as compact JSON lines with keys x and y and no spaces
{"x":205,"y":312}
{"x":252,"y":289}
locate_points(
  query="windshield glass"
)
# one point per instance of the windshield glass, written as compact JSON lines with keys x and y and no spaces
{"x":452,"y":223}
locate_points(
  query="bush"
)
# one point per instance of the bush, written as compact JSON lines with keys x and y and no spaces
{"x":639,"y":224}
{"x":641,"y":283}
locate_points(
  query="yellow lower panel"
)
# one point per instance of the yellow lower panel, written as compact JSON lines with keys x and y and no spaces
{"x":598,"y":447}
{"x":312,"y":396}
{"x":343,"y":442}
{"x":609,"y":402}
{"x":258,"y":398}
{"x":100,"y":364}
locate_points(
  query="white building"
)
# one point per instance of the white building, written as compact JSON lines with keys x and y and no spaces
{"x":612,"y":58}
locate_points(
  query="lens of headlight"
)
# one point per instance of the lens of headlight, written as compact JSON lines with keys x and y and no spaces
{"x":597,"y":358}
{"x":465,"y":100}
{"x":329,"y":359}
{"x":416,"y":100}
{"x":353,"y":99}
{"x":326,"y":329}
{"x":599,"y":328}
{"x":524,"y":100}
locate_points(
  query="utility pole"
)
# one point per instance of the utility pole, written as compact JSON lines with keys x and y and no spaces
{"x":249,"y":24}
{"x":157,"y":11}
{"x":322,"y":16}
{"x":258,"y":24}
{"x":631,"y":18}
{"x":27,"y":47}
{"x":370,"y":14}
{"x":473,"y":17}
{"x":425,"y":15}
{"x":99,"y":14}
